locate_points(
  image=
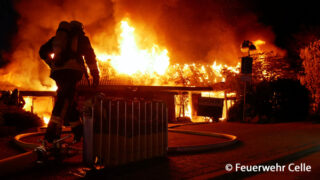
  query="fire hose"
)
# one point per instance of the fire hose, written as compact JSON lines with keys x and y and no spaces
{"x":36,"y":154}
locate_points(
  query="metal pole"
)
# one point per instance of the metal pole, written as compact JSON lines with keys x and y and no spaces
{"x":157,"y":131}
{"x":125,"y":130}
{"x":226,"y":101}
{"x":162,"y":129}
{"x":145,"y":130}
{"x":139,"y":128}
{"x":151,"y":135}
{"x":244,"y":101}
{"x":166,"y":126}
{"x":100,"y":144}
{"x":132,"y":129}
{"x":117,"y":137}
{"x":109,"y":139}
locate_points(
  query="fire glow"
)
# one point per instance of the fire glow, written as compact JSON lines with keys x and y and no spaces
{"x":151,"y":66}
{"x":138,"y":43}
{"x":41,"y":106}
{"x":133,"y":60}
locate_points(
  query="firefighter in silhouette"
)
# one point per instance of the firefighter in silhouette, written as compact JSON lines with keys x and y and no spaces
{"x":65,"y":54}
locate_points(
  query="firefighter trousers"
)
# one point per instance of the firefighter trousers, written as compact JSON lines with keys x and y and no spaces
{"x":65,"y":109}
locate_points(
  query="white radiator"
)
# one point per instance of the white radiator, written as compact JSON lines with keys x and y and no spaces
{"x":119,"y":131}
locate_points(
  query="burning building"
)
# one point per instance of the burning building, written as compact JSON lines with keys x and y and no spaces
{"x":187,"y":46}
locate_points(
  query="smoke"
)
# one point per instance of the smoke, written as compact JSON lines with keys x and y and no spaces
{"x":197,"y":30}
{"x":37,"y":24}
{"x":191,"y":30}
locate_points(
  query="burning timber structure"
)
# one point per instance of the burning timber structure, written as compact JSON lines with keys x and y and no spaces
{"x":179,"y":100}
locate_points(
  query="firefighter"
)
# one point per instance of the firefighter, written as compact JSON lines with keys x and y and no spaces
{"x":65,"y":54}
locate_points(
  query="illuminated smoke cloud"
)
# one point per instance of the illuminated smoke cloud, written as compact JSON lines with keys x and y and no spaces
{"x":197,"y":30}
{"x":191,"y":31}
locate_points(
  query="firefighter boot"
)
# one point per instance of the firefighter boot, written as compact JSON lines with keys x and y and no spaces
{"x":53,"y":130}
{"x":77,"y":132}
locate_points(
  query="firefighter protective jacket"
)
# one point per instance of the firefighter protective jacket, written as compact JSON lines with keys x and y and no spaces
{"x":74,"y":59}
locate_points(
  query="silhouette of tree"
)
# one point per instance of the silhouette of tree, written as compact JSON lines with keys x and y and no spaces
{"x":311,"y":76}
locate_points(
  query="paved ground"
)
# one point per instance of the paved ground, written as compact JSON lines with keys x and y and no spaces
{"x":7,"y":148}
{"x":181,"y":140}
{"x":313,"y":160}
{"x":259,"y":144}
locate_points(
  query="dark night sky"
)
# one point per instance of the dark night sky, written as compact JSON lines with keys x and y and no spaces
{"x":288,"y":18}
{"x":294,"y":23}
{"x":8,"y":20}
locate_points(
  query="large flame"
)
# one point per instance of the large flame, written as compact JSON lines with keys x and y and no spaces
{"x":134,"y":60}
{"x":151,"y":65}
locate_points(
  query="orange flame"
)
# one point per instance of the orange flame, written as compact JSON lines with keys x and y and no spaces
{"x":41,"y":106}
{"x":52,"y":55}
{"x":259,"y":42}
{"x":133,"y":60}
{"x":28,"y":103}
{"x":46,"y":119}
{"x":151,"y":66}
